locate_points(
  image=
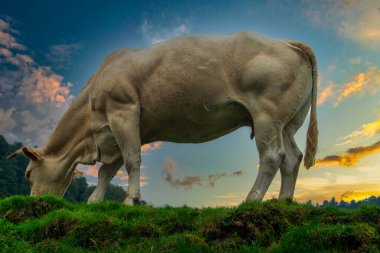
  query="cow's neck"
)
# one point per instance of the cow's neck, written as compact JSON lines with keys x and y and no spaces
{"x":72,"y":140}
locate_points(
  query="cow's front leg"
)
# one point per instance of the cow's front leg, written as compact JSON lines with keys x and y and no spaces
{"x":125,"y":126}
{"x":105,"y":175}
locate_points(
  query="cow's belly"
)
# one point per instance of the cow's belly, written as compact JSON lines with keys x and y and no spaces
{"x":193,"y":124}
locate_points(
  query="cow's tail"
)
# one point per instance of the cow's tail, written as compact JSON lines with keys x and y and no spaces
{"x":312,"y":132}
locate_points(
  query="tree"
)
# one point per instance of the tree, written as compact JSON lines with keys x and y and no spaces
{"x":333,"y":202}
{"x":77,"y":190}
{"x":12,"y":180}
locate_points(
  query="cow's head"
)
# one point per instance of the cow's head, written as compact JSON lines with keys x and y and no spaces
{"x":45,"y":174}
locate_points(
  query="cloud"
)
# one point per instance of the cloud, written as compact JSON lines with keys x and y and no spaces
{"x":125,"y":184}
{"x":92,"y":170}
{"x":355,"y":61}
{"x":7,"y":39}
{"x":151,"y":146}
{"x":367,"y":130}
{"x":346,"y":195}
{"x":345,"y":186}
{"x":215,"y":177}
{"x":358,"y":195}
{"x":6,"y":120}
{"x":35,"y":95}
{"x":346,"y":143}
{"x":61,"y":55}
{"x":157,"y":34}
{"x":325,"y":94}
{"x":170,"y":172}
{"x":237,"y":173}
{"x":42,"y":85}
{"x":358,"y":21}
{"x":351,"y":157}
{"x":363,"y":82}
{"x":121,"y":175}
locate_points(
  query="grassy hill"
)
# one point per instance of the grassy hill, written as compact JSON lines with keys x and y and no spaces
{"x":50,"y":224}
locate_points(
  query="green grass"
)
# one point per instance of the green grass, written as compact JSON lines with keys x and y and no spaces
{"x":50,"y":224}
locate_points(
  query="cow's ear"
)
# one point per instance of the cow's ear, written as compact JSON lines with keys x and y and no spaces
{"x":31,"y":154}
{"x":77,"y":174}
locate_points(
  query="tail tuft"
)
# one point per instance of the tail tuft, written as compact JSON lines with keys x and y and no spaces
{"x":311,"y":144}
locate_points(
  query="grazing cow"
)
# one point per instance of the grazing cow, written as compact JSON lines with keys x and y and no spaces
{"x":185,"y":90}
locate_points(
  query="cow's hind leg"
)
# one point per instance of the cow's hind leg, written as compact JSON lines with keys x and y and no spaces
{"x":271,"y":149}
{"x":125,"y":126}
{"x":105,"y":175}
{"x":290,"y":166}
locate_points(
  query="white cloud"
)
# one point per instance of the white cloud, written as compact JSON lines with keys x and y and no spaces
{"x":157,"y":34}
{"x":61,"y":55}
{"x":358,"y":21}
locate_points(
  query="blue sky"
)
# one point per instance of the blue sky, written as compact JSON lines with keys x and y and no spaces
{"x":49,"y":49}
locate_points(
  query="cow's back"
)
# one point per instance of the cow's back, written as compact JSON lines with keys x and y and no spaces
{"x":187,"y":84}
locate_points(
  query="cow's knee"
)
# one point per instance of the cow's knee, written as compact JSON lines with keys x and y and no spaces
{"x":274,"y":157}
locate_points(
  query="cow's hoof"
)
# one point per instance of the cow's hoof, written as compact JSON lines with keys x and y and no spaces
{"x":93,"y":200}
{"x":134,"y":202}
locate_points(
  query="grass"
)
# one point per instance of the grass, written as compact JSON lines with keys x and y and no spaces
{"x":50,"y":224}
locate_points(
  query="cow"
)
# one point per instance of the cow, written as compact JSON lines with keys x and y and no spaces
{"x":189,"y":89}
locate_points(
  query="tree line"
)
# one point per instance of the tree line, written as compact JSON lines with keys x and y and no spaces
{"x":353,"y":204}
{"x":12,"y":179}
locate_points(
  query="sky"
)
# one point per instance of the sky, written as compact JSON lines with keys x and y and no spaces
{"x":49,"y":49}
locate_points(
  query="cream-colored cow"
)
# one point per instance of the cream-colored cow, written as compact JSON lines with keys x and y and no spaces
{"x":185,"y":90}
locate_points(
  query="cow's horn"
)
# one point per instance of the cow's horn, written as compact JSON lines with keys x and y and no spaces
{"x":16,"y":153}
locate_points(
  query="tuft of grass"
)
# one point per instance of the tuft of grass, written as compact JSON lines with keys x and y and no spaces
{"x":50,"y":224}
{"x":20,"y":208}
{"x":359,"y":237}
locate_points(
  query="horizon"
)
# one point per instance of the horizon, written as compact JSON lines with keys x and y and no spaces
{"x":48,"y":51}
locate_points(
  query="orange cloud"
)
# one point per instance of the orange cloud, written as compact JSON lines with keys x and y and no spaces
{"x":367,"y":130}
{"x":92,"y":171}
{"x":151,"y":146}
{"x":319,"y":188}
{"x":125,"y":184}
{"x":325,"y":94}
{"x":351,"y":157}
{"x":370,"y":79}
{"x":358,"y":195}
{"x":45,"y":86}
